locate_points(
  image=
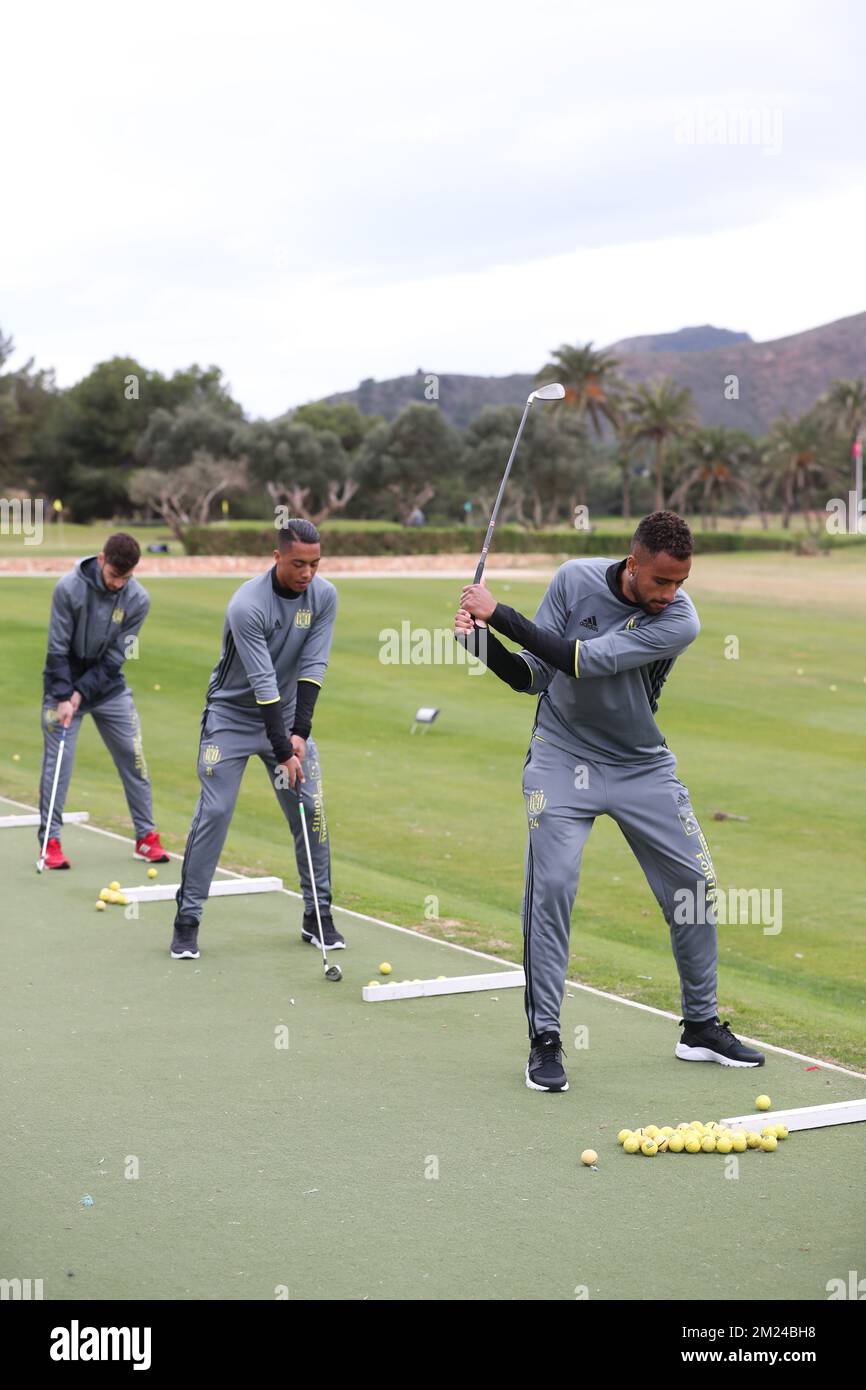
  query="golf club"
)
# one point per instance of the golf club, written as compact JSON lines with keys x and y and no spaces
{"x":40,"y":862}
{"x":332,"y":972}
{"x":553,"y":392}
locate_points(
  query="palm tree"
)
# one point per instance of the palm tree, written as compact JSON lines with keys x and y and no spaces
{"x":795,"y":459}
{"x":716,"y":459}
{"x":660,"y":411}
{"x":592,"y":386}
{"x":845,"y":404}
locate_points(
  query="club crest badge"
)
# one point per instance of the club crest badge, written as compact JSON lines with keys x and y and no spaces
{"x":535,"y":803}
{"x":117,"y":615}
{"x":211,"y":754}
{"x":302,"y":617}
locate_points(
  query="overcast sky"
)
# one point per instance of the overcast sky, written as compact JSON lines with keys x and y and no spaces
{"x":311,"y":194}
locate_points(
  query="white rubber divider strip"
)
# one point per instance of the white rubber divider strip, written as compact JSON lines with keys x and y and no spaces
{"x":839,"y":1112}
{"x":481,"y":955}
{"x":15,"y":822}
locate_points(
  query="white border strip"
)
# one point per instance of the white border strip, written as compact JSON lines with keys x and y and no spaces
{"x":166,"y":892}
{"x":838,"y":1112}
{"x":16,"y":822}
{"x":481,"y":955}
{"x":375,"y":993}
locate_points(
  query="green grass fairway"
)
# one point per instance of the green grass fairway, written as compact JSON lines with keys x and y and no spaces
{"x":390,"y":1151}
{"x":429,"y":831}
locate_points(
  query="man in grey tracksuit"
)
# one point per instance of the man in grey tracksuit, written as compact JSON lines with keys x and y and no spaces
{"x":602,"y":645}
{"x":260,"y":700}
{"x":96,"y":615}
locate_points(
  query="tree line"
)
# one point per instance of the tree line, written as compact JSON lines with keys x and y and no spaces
{"x":129,"y":442}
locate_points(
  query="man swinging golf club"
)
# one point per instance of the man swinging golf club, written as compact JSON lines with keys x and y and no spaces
{"x":602,"y":645}
{"x":260,"y":702}
{"x":96,"y":614}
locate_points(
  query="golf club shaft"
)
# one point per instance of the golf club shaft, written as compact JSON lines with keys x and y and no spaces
{"x":312,"y":878}
{"x":498,"y":503}
{"x":53,"y":799}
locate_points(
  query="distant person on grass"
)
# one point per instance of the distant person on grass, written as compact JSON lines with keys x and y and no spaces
{"x":602,"y":646}
{"x":95,"y":613}
{"x":260,"y":701}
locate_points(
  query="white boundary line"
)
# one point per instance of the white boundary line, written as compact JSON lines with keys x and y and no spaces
{"x":481,"y":955}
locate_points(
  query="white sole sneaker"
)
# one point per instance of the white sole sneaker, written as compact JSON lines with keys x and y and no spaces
{"x":554,"y":1090}
{"x":704,"y":1054}
{"x":186,"y":955}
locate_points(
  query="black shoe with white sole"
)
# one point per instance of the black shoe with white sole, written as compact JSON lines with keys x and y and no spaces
{"x":310,"y":932}
{"x":712,"y":1041}
{"x":544,"y":1070}
{"x":184,"y":942}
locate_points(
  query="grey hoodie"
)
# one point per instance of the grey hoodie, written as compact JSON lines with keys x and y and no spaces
{"x":89,"y":633}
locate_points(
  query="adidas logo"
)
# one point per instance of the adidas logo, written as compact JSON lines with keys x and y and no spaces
{"x":591,"y":623}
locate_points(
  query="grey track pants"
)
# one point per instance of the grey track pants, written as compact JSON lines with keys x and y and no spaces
{"x":223,"y":756}
{"x":654,"y":812}
{"x":120,"y":728}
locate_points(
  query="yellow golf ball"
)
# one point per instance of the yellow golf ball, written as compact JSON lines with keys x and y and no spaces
{"x":781,"y":1131}
{"x":768,"y":1129}
{"x":708,"y":1143}
{"x":693,"y":1144}
{"x":753,"y":1139}
{"x":649,"y":1147}
{"x":676,"y":1144}
{"x":100,"y":905}
{"x":662,"y":1143}
{"x":623,"y":1135}
{"x":115,"y":886}
{"x":372,"y":983}
{"x":762,"y":1102}
{"x":697,"y":1124}
{"x":105,"y":894}
{"x":683,"y":1127}
{"x":151,"y":873}
{"x":157,"y":687}
{"x":632,"y":1144}
{"x":738,"y":1143}
{"x":667,"y":1131}
{"x":724,"y":1144}
{"x":768,"y":1143}
{"x":16,"y":757}
{"x":384,"y":968}
{"x":588,"y":1157}
{"x":651,"y":1131}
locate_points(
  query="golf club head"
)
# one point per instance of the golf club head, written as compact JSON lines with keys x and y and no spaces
{"x":40,"y":865}
{"x":554,"y":392}
{"x":333,"y":973}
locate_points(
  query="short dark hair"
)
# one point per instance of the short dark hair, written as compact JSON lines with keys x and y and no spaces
{"x":296,"y":529}
{"x":664,"y":531}
{"x":122,"y":552}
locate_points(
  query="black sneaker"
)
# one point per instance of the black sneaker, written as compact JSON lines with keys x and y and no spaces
{"x":713,"y":1041}
{"x":544,"y":1070}
{"x":310,"y":932}
{"x":184,"y":942}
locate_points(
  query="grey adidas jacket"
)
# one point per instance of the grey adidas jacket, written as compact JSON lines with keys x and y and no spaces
{"x":88,"y":635}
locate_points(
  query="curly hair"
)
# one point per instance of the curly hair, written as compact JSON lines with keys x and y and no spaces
{"x":664,"y":531}
{"x":122,"y":552}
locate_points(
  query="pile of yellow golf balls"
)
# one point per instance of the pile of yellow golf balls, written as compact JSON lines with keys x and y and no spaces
{"x":695,"y":1136}
{"x":111,"y":894}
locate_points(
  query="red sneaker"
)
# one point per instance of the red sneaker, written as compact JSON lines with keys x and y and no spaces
{"x":149,"y":849}
{"x":54,"y":856}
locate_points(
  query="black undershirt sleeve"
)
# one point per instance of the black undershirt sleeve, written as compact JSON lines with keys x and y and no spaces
{"x":556,"y":651}
{"x":272,"y":714}
{"x":508,"y":666}
{"x":305,"y":702}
